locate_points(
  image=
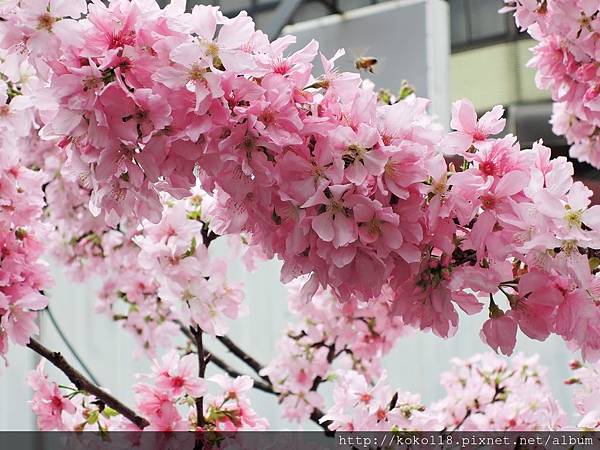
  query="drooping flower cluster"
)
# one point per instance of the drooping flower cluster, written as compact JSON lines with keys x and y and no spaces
{"x":526,"y":232}
{"x":22,"y":274}
{"x":485,"y":392}
{"x":566,"y":59}
{"x":325,"y":337}
{"x":141,"y":96}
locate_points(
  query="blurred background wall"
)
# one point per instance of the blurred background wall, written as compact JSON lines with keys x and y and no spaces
{"x":480,"y":55}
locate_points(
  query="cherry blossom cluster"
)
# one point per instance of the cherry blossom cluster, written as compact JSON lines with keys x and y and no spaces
{"x":484,"y":392}
{"x":176,"y":250}
{"x":160,"y":277}
{"x":354,"y":338}
{"x":166,"y":398}
{"x":143,"y":96}
{"x":566,"y":60}
{"x":586,"y":383}
{"x":360,"y":405}
{"x":22,"y":273}
{"x":68,"y":409}
{"x":527,"y":232}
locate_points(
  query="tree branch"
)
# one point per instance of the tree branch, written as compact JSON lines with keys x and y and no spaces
{"x":208,"y":236}
{"x":266,"y":386}
{"x":258,"y":384}
{"x":83,"y":384}
{"x":233,"y":373}
{"x":316,"y":416}
{"x":245,"y":357}
{"x":202,"y":360}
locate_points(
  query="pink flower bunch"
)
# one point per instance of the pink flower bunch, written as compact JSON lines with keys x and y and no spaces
{"x":130,"y":296}
{"x":49,"y":404}
{"x":231,"y":410}
{"x":175,"y":250}
{"x":586,"y":382}
{"x":167,"y":398}
{"x":22,"y":273}
{"x":486,"y":392}
{"x":566,"y":59}
{"x":360,"y":405}
{"x":87,"y":247}
{"x":511,"y":225}
{"x":143,"y":96}
{"x":326,"y":336}
{"x":173,"y":381}
{"x":68,"y":409}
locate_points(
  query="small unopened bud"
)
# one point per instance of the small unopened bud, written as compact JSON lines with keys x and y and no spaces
{"x":575,"y":364}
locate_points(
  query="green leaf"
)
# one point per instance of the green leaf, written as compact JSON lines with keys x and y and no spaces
{"x":92,"y":418}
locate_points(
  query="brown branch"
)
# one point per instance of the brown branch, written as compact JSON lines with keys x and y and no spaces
{"x":242,"y":355}
{"x":233,"y":373}
{"x":208,"y":236}
{"x":202,"y":360}
{"x":267,"y":387}
{"x":83,"y":384}
{"x":316,"y":417}
{"x":258,"y":384}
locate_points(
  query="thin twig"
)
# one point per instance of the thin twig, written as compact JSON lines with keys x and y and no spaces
{"x":233,"y":373}
{"x":242,"y":355}
{"x":258,"y":384}
{"x":66,"y":341}
{"x":83,"y":384}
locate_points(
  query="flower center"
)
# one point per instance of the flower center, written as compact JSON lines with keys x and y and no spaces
{"x":488,"y":201}
{"x":196,"y":73}
{"x":488,"y":168}
{"x":45,"y":22}
{"x":479,"y":136}
{"x":374,"y":227}
{"x":573,"y":218}
{"x":178,"y":382}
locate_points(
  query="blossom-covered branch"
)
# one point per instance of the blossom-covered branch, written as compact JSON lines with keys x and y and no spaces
{"x":310,"y":167}
{"x":85,"y":385}
{"x":566,"y":60}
